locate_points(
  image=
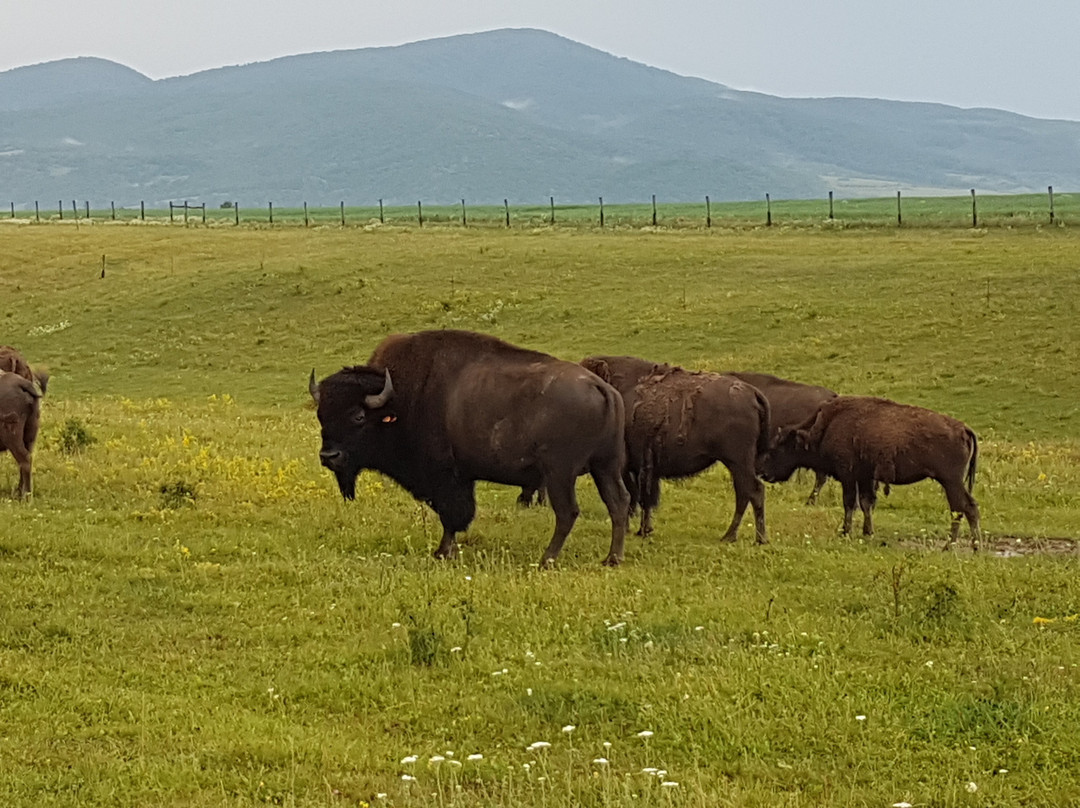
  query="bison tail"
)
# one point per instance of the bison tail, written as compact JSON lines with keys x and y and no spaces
{"x":974,"y":462}
{"x":764,"y":438}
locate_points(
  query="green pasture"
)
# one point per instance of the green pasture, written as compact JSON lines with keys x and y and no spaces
{"x":962,"y":211}
{"x":191,"y":616}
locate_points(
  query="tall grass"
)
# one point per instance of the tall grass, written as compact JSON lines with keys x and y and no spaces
{"x":191,"y":616}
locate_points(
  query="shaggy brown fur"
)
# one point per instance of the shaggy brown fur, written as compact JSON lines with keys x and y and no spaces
{"x":790,"y":403}
{"x":20,"y":415}
{"x":861,"y":440}
{"x":679,"y":422}
{"x":465,"y":407}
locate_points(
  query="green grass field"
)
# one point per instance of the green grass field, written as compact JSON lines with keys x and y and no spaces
{"x":190,"y":615}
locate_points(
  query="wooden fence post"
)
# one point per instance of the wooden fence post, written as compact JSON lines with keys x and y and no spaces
{"x":342,"y":212}
{"x":60,"y":206}
{"x":463,"y":222}
{"x":419,"y":213}
{"x":974,"y":214}
{"x":601,"y":212}
{"x":381,"y":219}
{"x":768,"y":211}
{"x":271,"y":206}
{"x":204,"y":213}
{"x":142,"y":210}
{"x":899,"y":217}
{"x":552,"y":210}
{"x":75,"y":209}
{"x":654,"y":210}
{"x":1050,"y":191}
{"x":708,"y":212}
{"x":12,"y":210}
{"x":37,"y":212}
{"x":113,"y":206}
{"x":87,"y":201}
{"x":506,"y":207}
{"x":305,"y":215}
{"x":236,"y":213}
{"x":830,"y":206}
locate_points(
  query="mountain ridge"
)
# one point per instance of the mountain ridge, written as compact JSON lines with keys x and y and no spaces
{"x":522,"y":114}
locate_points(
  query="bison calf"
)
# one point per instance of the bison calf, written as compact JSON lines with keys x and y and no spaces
{"x":861,"y":441}
{"x":20,"y":414}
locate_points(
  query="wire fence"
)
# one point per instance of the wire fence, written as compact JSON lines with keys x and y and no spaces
{"x":969,"y":210}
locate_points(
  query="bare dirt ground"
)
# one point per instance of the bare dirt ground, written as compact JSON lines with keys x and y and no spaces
{"x":1005,"y":546}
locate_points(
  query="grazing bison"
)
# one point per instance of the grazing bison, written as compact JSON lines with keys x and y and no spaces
{"x":861,"y":441}
{"x":20,"y":415}
{"x":438,"y":410}
{"x":11,"y":361}
{"x":790,"y":403}
{"x":679,"y":422}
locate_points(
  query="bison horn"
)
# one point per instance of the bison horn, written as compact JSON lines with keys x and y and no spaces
{"x":374,"y":402}
{"x":313,"y":387}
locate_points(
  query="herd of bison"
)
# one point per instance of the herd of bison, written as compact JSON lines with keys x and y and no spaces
{"x":438,"y":410}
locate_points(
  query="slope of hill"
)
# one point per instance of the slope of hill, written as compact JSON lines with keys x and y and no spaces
{"x":518,"y":114}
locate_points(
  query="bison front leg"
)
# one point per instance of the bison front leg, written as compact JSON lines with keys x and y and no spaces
{"x":820,"y":478}
{"x":456,"y":509}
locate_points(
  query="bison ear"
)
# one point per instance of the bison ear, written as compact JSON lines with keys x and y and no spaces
{"x":802,"y":439}
{"x":601,"y":369}
{"x":313,"y":388}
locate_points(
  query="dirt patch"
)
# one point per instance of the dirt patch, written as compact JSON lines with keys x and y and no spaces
{"x":1007,"y":546}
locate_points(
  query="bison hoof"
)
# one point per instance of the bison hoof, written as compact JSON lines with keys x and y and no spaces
{"x":612,"y":561}
{"x":728,"y":538}
{"x":446,"y":554}
{"x":762,"y":540}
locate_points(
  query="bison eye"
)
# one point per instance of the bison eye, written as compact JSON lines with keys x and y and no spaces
{"x":359,"y":417}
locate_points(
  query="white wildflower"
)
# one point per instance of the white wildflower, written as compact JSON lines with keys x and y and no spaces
{"x":971,"y":788}
{"x":645,"y":733}
{"x":405,"y":761}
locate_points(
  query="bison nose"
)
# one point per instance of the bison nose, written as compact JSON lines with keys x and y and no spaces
{"x":330,"y":457}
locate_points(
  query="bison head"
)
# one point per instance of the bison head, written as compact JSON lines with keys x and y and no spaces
{"x":355,"y":413}
{"x":788,"y":452}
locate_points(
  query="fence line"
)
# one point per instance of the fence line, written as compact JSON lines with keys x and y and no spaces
{"x":682,"y":213}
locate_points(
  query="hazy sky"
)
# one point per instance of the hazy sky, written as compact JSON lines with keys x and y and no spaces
{"x":1008,"y":54}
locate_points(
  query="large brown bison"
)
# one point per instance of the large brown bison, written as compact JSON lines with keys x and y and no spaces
{"x":790,"y":403}
{"x":11,"y":361}
{"x":679,"y":422}
{"x":861,"y":441}
{"x":438,"y":410}
{"x":20,"y":415}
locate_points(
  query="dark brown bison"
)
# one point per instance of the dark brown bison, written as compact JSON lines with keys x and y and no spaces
{"x":861,"y":441}
{"x":20,"y":416}
{"x":679,"y":422}
{"x":11,"y":361}
{"x":790,"y":403}
{"x":438,"y":410}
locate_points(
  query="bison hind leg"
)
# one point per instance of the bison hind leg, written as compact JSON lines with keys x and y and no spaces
{"x":867,"y":501}
{"x":962,"y":505}
{"x":564,"y":503}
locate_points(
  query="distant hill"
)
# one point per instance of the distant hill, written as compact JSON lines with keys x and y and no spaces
{"x":518,"y":113}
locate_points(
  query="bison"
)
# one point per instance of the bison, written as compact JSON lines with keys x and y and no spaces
{"x":862,"y":440}
{"x":11,"y":361}
{"x":20,"y":416}
{"x":438,"y":410}
{"x":679,"y":422}
{"x":790,"y":403}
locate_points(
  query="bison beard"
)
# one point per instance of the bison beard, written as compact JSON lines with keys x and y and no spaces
{"x":438,"y":410}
